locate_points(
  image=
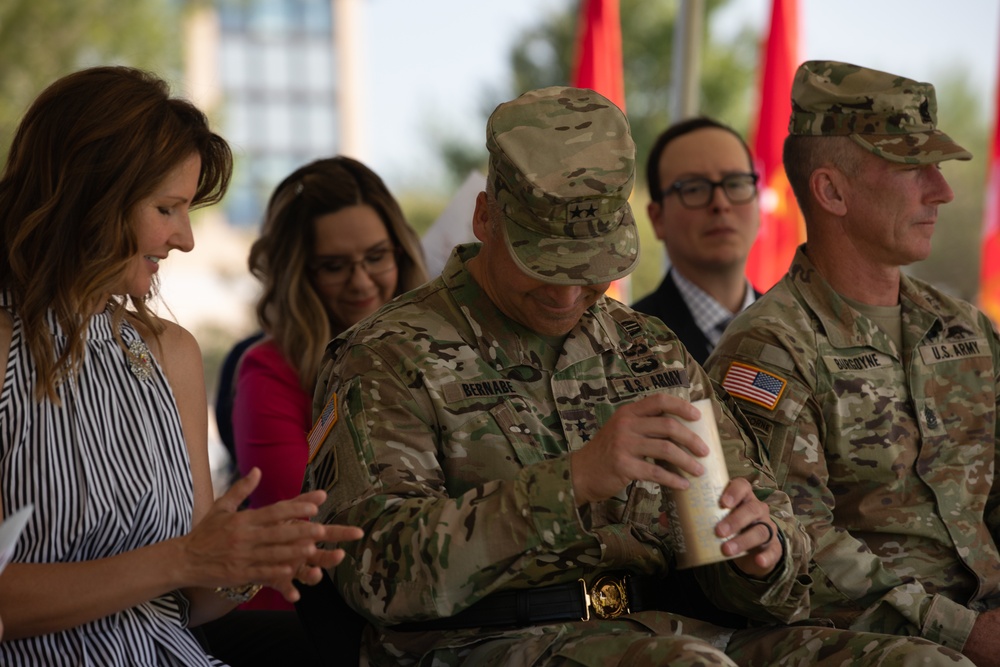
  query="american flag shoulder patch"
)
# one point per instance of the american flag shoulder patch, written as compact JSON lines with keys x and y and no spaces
{"x":754,"y":384}
{"x":322,"y":427}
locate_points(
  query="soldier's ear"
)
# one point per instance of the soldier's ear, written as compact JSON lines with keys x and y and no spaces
{"x":481,"y":225}
{"x":828,"y":186}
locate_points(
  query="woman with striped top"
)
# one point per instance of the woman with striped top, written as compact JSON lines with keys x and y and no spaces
{"x":102,"y":404}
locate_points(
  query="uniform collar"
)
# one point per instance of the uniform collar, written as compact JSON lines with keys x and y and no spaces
{"x":853,"y":329}
{"x":505,"y":343}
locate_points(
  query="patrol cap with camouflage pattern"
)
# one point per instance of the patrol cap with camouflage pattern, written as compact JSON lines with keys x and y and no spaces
{"x":562,"y":163}
{"x":888,"y":115}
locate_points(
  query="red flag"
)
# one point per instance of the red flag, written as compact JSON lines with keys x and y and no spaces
{"x":598,"y":65}
{"x":598,"y":61}
{"x":989,"y":269}
{"x":781,"y":226}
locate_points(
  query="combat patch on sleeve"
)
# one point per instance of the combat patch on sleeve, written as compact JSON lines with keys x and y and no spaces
{"x":322,"y":427}
{"x":754,"y":384}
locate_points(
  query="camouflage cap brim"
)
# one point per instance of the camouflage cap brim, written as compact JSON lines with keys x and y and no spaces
{"x":914,"y":148}
{"x":888,"y":115}
{"x":562,"y":164}
{"x":578,"y":260}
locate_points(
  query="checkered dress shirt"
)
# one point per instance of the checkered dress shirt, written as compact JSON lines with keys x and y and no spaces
{"x":709,"y":315}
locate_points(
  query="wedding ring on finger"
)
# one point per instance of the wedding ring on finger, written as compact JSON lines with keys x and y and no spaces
{"x":770,"y":532}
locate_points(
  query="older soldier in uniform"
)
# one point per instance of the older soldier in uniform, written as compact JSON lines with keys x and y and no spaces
{"x":505,"y":434}
{"x":877,"y":393}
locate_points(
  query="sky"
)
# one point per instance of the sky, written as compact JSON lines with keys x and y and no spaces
{"x":426,"y":64}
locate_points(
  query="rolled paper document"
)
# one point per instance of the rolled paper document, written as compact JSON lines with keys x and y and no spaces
{"x":10,"y":530}
{"x":695,"y":511}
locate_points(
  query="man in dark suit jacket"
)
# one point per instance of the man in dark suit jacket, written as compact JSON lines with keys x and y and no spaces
{"x":704,"y":208}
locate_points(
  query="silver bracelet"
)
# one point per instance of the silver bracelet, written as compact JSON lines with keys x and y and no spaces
{"x":239,"y":594}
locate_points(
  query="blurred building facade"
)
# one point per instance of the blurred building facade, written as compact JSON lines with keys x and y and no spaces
{"x":278,"y":79}
{"x":274,"y":80}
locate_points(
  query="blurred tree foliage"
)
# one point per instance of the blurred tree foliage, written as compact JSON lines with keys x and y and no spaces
{"x":543,"y":57}
{"x":422,"y":209}
{"x":41,"y":40}
{"x":954,"y":262}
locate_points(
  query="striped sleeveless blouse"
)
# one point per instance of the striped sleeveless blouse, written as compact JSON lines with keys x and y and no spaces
{"x":107,"y":472}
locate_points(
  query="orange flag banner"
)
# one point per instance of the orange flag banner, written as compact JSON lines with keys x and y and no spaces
{"x":597,"y":65}
{"x":989,"y":269}
{"x":598,"y":61}
{"x":781,"y":226}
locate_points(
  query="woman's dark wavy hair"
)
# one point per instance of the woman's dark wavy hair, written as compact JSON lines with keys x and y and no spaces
{"x":89,"y":149}
{"x":289,"y":309}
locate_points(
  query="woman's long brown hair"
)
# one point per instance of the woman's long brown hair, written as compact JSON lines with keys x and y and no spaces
{"x":289,"y":310}
{"x":89,"y":149}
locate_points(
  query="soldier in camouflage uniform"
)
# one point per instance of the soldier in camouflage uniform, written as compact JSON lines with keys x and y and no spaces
{"x":497,"y":432}
{"x":875,"y":393}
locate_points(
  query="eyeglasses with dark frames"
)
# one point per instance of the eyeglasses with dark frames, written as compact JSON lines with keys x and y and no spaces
{"x":336,"y":270}
{"x":698,"y":192}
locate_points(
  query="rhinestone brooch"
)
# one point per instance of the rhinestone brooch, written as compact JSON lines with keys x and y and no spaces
{"x":139,"y":361}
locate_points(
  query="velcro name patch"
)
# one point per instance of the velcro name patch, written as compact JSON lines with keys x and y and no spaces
{"x":857,"y":362}
{"x":677,"y":377}
{"x":954,"y":350}
{"x":463,"y":391}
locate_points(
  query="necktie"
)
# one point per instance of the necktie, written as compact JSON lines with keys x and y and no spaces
{"x":721,"y":326}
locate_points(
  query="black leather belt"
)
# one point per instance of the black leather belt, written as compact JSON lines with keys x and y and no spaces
{"x":608,"y":596}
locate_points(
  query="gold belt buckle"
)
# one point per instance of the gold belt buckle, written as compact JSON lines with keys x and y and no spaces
{"x":608,"y":597}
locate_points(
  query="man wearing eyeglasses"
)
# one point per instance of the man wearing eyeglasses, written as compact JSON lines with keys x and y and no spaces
{"x":703,"y":207}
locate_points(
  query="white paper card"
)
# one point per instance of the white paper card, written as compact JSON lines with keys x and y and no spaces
{"x":10,"y":530}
